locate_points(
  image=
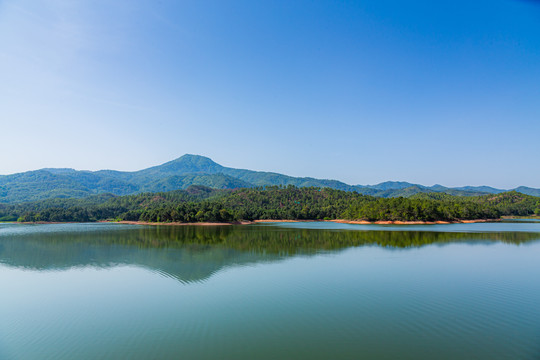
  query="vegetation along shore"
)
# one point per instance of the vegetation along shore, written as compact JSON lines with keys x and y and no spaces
{"x":200,"y":204}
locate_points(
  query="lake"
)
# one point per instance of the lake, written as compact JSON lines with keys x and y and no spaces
{"x":272,"y":291}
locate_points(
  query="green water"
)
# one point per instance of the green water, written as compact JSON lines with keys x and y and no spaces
{"x":278,"y":291}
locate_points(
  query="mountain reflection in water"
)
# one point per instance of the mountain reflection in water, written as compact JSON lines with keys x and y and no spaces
{"x":195,"y":253}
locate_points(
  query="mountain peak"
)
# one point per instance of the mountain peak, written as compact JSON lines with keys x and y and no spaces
{"x":189,"y":164}
{"x":391,"y":185}
{"x":192,"y":157}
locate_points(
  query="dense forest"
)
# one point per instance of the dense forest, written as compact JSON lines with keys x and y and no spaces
{"x":204,"y":204}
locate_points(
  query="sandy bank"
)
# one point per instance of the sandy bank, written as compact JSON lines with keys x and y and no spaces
{"x":364,"y":222}
{"x":181,"y":223}
{"x":340,"y":221}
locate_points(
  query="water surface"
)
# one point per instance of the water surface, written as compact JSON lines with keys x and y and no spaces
{"x":295,"y":290}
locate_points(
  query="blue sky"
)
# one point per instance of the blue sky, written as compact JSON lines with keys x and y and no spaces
{"x":361,"y":91}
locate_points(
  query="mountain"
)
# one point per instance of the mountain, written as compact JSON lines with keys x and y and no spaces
{"x":176,"y":182}
{"x":195,"y":164}
{"x":49,"y":183}
{"x":528,"y":191}
{"x":391,"y":185}
{"x":484,"y":189}
{"x":192,"y":170}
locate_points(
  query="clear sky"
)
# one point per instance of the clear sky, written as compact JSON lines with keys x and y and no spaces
{"x":360,"y":91}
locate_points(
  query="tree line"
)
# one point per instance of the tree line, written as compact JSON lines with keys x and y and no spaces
{"x":203,"y":204}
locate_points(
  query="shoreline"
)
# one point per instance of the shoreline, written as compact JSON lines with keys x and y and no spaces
{"x":399,"y":222}
{"x":125,"y":222}
{"x":263,"y":221}
{"x":338,"y":221}
{"x":511,"y":217}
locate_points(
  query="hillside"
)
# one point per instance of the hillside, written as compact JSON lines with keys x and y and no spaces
{"x":203,"y":204}
{"x":193,"y":170}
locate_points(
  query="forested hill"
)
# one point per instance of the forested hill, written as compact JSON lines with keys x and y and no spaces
{"x":192,"y":170}
{"x":203,"y":204}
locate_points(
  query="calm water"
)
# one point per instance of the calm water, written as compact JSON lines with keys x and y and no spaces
{"x":289,"y":291}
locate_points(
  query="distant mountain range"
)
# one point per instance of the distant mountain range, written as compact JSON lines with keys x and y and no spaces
{"x":193,"y":170}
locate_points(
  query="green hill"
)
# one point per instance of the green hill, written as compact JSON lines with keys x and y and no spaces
{"x":192,"y":170}
{"x":204,"y":204}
